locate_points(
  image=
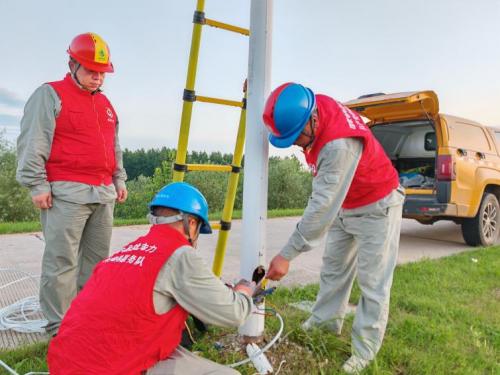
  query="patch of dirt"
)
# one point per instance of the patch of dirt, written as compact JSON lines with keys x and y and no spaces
{"x":293,"y":358}
{"x":285,"y":355}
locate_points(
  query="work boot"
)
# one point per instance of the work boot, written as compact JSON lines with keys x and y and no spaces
{"x":355,"y":365}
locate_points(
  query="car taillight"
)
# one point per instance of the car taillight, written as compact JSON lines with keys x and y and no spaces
{"x":445,"y":170}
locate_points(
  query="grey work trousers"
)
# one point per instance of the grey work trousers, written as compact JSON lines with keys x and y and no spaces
{"x":183,"y":362}
{"x":362,"y":241}
{"x":77,"y":237}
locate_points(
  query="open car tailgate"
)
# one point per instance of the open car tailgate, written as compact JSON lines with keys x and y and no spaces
{"x":380,"y":108}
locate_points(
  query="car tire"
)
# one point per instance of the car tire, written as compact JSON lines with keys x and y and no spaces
{"x":482,"y":229}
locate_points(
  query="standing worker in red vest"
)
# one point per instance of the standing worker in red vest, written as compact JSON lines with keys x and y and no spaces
{"x":356,"y":200}
{"x":69,"y":157}
{"x":129,"y":318}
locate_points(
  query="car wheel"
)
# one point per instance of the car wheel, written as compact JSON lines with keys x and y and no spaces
{"x":482,"y":229}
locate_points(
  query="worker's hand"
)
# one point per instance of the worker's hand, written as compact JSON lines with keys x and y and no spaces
{"x":43,"y":200}
{"x":121,"y":195}
{"x":278,"y":268}
{"x":245,"y":287}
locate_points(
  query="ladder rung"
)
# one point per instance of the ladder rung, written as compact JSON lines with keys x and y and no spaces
{"x":226,"y":26}
{"x":215,"y":226}
{"x":209,"y":167}
{"x":207,"y":99}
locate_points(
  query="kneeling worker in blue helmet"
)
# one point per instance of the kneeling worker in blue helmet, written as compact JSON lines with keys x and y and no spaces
{"x":129,"y":317}
{"x":356,"y":200}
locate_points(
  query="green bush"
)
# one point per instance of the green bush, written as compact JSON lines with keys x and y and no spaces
{"x":213,"y":185}
{"x":141,"y":190}
{"x":289,"y":183}
{"x":163,"y":174}
{"x":140,"y":193}
{"x":15,"y":200}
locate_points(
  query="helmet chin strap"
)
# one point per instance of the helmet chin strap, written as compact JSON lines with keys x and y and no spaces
{"x":185,"y":223}
{"x":311,"y":140}
{"x":73,"y":73}
{"x":312,"y":136}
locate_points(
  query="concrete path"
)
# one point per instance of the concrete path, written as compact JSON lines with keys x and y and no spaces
{"x":24,"y":251}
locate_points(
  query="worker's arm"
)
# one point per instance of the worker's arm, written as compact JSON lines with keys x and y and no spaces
{"x":337,"y":163}
{"x":119,"y":175}
{"x":187,"y":279}
{"x":35,"y":140}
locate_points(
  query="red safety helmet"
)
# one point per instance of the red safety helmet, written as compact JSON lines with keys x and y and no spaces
{"x":91,"y":51}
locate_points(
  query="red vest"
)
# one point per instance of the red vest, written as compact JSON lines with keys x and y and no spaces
{"x":375,"y":177}
{"x":111,"y":327}
{"x":83,"y":147}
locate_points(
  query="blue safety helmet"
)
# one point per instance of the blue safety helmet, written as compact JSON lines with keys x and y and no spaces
{"x":286,"y":113}
{"x":185,"y":198}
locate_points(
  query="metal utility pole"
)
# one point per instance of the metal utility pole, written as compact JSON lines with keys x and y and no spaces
{"x":256,"y":154}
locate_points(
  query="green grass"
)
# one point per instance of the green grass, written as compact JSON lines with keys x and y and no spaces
{"x":444,"y":319}
{"x":23,"y":360}
{"x":20,"y":227}
{"x":34,"y":226}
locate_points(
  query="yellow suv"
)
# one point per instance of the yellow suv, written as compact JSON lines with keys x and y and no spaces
{"x":449,"y":166}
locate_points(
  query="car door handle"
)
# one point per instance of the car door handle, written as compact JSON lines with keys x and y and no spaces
{"x":462,"y":152}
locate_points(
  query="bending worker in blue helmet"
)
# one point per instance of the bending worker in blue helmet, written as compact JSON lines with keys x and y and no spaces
{"x":129,"y":317}
{"x":356,"y":200}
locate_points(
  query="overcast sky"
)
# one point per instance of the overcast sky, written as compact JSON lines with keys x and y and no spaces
{"x":343,"y":48}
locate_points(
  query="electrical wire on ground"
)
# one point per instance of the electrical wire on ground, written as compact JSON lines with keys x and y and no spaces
{"x":21,"y":316}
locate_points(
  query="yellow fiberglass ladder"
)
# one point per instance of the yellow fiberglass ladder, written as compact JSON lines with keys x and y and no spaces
{"x":180,"y":167}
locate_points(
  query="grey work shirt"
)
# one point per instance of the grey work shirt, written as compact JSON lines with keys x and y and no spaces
{"x":33,"y":150}
{"x":337,"y":163}
{"x":186,"y":279}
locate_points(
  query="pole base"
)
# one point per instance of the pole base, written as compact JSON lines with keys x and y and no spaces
{"x":244,"y":339}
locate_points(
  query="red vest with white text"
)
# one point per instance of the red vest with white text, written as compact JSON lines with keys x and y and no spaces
{"x":111,"y":327}
{"x":375,"y":177}
{"x":83,"y":147}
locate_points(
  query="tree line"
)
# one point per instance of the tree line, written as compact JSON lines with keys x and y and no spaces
{"x":149,"y":170}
